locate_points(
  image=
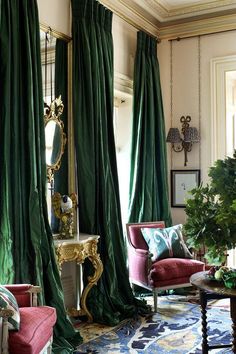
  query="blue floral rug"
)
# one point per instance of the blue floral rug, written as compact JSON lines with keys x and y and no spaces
{"x":176,"y":328}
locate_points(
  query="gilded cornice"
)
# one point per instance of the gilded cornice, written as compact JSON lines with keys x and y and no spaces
{"x":132,"y":16}
{"x":193,"y":27}
{"x":199,"y":27}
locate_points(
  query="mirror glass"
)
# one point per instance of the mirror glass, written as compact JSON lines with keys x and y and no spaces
{"x":53,"y":142}
{"x":55,"y":138}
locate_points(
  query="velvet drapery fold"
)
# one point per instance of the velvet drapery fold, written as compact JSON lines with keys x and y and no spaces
{"x":99,"y":204}
{"x":148,"y":196}
{"x":27,"y":252}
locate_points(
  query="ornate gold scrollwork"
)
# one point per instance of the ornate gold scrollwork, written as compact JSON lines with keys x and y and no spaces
{"x":78,"y":252}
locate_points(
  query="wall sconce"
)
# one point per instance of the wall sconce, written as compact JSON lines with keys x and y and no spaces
{"x":190,"y":136}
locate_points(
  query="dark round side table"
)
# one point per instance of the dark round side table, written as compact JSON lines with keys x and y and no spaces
{"x":209,"y":290}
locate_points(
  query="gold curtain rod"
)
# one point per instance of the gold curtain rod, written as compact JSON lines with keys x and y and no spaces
{"x":200,"y":35}
{"x":56,"y":34}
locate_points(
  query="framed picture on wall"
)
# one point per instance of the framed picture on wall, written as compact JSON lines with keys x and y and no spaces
{"x":182,"y":181}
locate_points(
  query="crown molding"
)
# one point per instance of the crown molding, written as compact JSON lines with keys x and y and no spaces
{"x":193,"y":27}
{"x":165,"y":12}
{"x":132,"y":16}
{"x":123,"y":84}
{"x":155,"y":7}
{"x":199,"y":27}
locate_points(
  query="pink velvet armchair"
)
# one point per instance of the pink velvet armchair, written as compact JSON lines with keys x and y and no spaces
{"x":164,"y":274}
{"x":36,"y":323}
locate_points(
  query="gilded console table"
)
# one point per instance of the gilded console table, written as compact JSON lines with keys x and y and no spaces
{"x":78,"y":251}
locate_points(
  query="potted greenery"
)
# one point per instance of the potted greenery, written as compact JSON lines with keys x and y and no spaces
{"x":211,"y":213}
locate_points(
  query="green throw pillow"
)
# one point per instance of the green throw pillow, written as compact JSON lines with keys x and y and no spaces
{"x":166,"y":242}
{"x":8,"y":301}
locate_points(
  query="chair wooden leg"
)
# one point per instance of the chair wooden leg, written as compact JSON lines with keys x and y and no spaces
{"x":4,"y":336}
{"x":155,"y":298}
{"x":133,"y":287}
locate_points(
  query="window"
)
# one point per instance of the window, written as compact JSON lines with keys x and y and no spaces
{"x":223,"y":121}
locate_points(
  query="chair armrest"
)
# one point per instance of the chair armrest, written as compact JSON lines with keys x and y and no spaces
{"x":140,"y":252}
{"x":25,"y":294}
{"x":146,"y":254}
{"x":139,"y":264}
{"x":34,"y":291}
{"x":4,"y":315}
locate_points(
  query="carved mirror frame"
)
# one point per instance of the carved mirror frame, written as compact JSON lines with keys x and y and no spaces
{"x":52,"y":114}
{"x":70,"y":136}
{"x":70,"y":144}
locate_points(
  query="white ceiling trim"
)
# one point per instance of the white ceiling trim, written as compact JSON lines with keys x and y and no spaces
{"x":135,"y":17}
{"x":200,"y":27}
{"x":123,"y":85}
{"x":131,"y":16}
{"x":165,"y":12}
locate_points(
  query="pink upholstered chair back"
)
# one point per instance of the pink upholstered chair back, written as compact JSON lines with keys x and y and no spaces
{"x":134,"y":233}
{"x":21,"y":293}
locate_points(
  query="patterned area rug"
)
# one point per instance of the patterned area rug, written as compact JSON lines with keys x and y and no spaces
{"x":176,"y":328}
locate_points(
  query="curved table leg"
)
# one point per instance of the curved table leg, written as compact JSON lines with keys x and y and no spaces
{"x":78,"y":252}
{"x":92,"y":280}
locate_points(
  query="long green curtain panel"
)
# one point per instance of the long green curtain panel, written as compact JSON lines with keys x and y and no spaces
{"x":148,"y":197}
{"x":26,"y":246}
{"x":99,"y":206}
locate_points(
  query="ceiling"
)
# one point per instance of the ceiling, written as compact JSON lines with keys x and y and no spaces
{"x":173,"y":18}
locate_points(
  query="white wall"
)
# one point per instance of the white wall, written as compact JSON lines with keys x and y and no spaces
{"x":123,"y":128}
{"x":124,"y":37}
{"x":56,"y":14}
{"x":186,"y":95}
{"x":185,"y":89}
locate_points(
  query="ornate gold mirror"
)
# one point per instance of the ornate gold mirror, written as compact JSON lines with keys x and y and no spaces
{"x":55,"y":137}
{"x":56,"y":55}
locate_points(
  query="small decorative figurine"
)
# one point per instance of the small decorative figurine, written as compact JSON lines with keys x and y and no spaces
{"x":64,"y":208}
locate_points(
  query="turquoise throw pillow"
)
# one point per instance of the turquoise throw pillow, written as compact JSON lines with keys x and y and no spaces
{"x":8,"y":301}
{"x":166,"y":243}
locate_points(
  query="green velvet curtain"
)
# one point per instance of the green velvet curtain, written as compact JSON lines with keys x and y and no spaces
{"x":61,"y":88}
{"x":99,"y":206}
{"x":148,"y":199}
{"x":26,"y":247}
